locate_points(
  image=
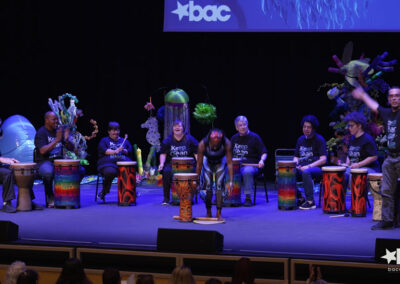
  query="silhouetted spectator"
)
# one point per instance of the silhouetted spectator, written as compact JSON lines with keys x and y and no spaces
{"x":111,"y":276}
{"x":15,"y":269}
{"x":315,"y":275}
{"x":213,"y":281}
{"x":182,"y":275}
{"x":73,"y":273}
{"x":243,"y":272}
{"x":145,"y":279}
{"x":28,"y":277}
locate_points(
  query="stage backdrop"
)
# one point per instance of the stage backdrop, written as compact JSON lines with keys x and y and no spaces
{"x":114,"y":55}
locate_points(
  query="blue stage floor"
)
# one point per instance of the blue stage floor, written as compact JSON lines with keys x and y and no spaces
{"x":262,"y":229}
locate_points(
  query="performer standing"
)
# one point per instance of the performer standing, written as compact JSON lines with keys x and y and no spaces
{"x":310,"y":155}
{"x":49,"y":142}
{"x":362,"y":152}
{"x":7,"y":180}
{"x":111,"y":150}
{"x":391,"y":165}
{"x":249,"y":147}
{"x":214,"y":154}
{"x":178,"y":144}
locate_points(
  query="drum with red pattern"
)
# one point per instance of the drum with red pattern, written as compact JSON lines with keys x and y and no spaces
{"x":185,"y":184}
{"x":333,"y":181}
{"x":126,"y":183}
{"x":359,"y":192}
{"x":180,"y":165}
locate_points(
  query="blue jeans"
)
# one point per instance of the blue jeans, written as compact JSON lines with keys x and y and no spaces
{"x":308,"y":176}
{"x":248,"y":174}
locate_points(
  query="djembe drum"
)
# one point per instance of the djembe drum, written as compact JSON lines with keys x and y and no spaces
{"x":333,"y":182}
{"x":286,"y":185}
{"x":24,"y":177}
{"x":359,"y":192}
{"x":375,"y":182}
{"x":66,"y":183}
{"x":185,"y":184}
{"x":233,"y":195}
{"x":126,"y":183}
{"x":180,"y":165}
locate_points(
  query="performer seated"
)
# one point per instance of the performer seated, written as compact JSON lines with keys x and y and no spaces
{"x":214,"y":154}
{"x":7,"y":180}
{"x":310,"y":155}
{"x":362,"y":151}
{"x":249,"y":147}
{"x":111,"y":150}
{"x":50,"y":140}
{"x":178,"y":144}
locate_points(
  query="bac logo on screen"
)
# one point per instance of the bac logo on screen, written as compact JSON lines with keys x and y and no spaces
{"x":391,"y":256}
{"x":197,"y":13}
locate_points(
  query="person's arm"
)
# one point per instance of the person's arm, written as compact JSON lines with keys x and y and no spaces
{"x":163,"y":157}
{"x":320,"y":162}
{"x":262,"y":160}
{"x":296,"y":160}
{"x":228,"y":154}
{"x":364,"y":162}
{"x":48,"y":147}
{"x":200,"y":156}
{"x":361,"y":95}
{"x":9,"y":161}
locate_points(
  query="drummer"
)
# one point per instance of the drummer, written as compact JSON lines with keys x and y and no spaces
{"x":362,"y":151}
{"x":178,"y":144}
{"x":112,"y":149}
{"x":249,"y":147}
{"x":7,"y":180}
{"x":310,"y":155}
{"x":214,"y":154}
{"x":50,"y":141}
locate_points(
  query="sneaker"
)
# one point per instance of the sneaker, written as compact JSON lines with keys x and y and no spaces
{"x":300,"y":201}
{"x":36,"y":207}
{"x":7,"y":208}
{"x":247,"y":202}
{"x":382,"y":225}
{"x":50,"y":204}
{"x":165,"y":202}
{"x":307,"y":205}
{"x":101,"y":196}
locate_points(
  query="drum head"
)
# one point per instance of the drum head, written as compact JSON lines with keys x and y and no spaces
{"x":183,"y":160}
{"x":126,"y":163}
{"x":333,"y":169}
{"x":203,"y":222}
{"x":375,"y":176}
{"x":23,"y":165}
{"x":359,"y":171}
{"x":236,"y":160}
{"x":66,"y":162}
{"x":286,"y":164}
{"x":185,"y":176}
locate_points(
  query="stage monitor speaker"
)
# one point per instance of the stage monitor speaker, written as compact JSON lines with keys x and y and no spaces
{"x":8,"y":231}
{"x":189,"y":241}
{"x":387,"y":251}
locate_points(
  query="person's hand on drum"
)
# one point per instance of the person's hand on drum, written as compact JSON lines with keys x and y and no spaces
{"x":261,"y":164}
{"x":355,"y":166}
{"x":303,"y":168}
{"x":9,"y":161}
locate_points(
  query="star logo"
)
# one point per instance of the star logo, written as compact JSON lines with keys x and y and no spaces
{"x":181,"y":10}
{"x":389,"y":256}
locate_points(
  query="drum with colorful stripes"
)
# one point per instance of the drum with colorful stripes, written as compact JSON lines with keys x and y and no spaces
{"x":180,"y":165}
{"x":333,"y":182}
{"x":66,"y":183}
{"x":185,"y":184}
{"x":375,"y":182}
{"x":359,"y":192}
{"x":233,"y":195}
{"x":286,"y":185}
{"x":126,"y":183}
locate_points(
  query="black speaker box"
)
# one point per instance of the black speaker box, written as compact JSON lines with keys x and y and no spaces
{"x":189,"y":241}
{"x":387,"y":251}
{"x":8,"y":231}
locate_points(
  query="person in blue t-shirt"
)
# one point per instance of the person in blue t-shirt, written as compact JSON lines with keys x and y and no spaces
{"x":111,"y":150}
{"x":249,"y":147}
{"x":178,"y":144}
{"x":362,"y":151}
{"x":310,"y":156}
